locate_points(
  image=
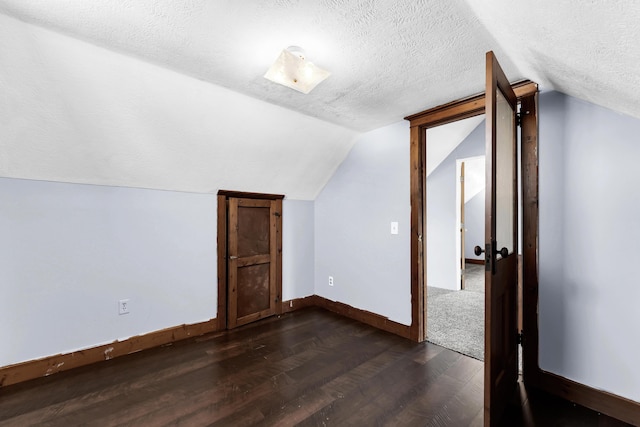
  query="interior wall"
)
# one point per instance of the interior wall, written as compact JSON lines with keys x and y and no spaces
{"x":298,"y":258}
{"x":70,"y":252}
{"x":71,"y":111}
{"x":442,"y":235}
{"x":353,"y":243}
{"x":76,"y":113}
{"x":589,"y":229}
{"x":474,"y":211}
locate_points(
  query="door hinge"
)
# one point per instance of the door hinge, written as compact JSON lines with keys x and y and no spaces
{"x":520,"y":337}
{"x":520,"y":115}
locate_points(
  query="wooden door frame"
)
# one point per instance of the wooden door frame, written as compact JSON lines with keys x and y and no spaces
{"x":527,"y":93}
{"x":223,"y":198}
{"x":462,"y":181}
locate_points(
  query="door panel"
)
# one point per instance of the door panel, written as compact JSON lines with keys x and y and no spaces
{"x":253,"y":228}
{"x":252,"y":266}
{"x":505,"y":172}
{"x":253,"y":289}
{"x":501,"y":365}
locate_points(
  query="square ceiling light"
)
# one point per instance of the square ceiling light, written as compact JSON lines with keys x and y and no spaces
{"x":292,"y":70}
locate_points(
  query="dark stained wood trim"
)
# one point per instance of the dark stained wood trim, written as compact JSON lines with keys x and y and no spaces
{"x":447,"y":113}
{"x":244,"y":195}
{"x":25,"y":371}
{"x":501,"y":280}
{"x":601,"y":401}
{"x":418,"y":210}
{"x":464,"y":108}
{"x":278,"y":214}
{"x":297,"y":304}
{"x":266,"y":200}
{"x":363,"y":316}
{"x":474,"y":261}
{"x":529,"y":191}
{"x":222,"y":262}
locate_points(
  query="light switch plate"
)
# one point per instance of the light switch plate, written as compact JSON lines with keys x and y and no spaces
{"x":394,"y":227}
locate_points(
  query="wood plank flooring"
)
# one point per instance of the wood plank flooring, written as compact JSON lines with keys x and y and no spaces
{"x":307,"y":368}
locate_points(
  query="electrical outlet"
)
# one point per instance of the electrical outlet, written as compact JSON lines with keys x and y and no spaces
{"x":330,"y":280}
{"x":123,"y":306}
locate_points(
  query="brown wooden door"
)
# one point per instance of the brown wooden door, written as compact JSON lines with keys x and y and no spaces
{"x":501,"y":245}
{"x":463,"y":265}
{"x":252,"y":259}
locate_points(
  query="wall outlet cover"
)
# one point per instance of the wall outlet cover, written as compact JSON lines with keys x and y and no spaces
{"x":124,"y":306}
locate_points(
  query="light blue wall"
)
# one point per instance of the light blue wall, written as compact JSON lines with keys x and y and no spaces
{"x":589,"y":227}
{"x":371,"y":267}
{"x":474,"y":223}
{"x":589,"y":231}
{"x":442,"y":232}
{"x":297,"y":249}
{"x":69,"y":252}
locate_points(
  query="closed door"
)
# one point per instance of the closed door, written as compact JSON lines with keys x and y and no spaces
{"x":252,"y":259}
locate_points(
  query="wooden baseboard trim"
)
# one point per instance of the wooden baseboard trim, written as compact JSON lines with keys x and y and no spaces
{"x":363,"y":316}
{"x":25,"y":371}
{"x":474,"y":261}
{"x":598,"y":400}
{"x":297,"y":304}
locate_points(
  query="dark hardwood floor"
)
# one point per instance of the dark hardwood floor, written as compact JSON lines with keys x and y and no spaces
{"x":308,"y":368}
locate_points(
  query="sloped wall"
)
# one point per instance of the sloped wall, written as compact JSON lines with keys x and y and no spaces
{"x":74,"y":112}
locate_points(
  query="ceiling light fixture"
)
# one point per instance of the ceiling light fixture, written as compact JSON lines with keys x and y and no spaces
{"x":292,"y":70}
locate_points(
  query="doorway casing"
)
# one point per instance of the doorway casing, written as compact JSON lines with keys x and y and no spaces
{"x":222,"y":246}
{"x":526,"y":92}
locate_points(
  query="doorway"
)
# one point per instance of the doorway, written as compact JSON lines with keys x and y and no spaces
{"x":249,"y":257}
{"x":455,"y":210}
{"x":501,"y":336}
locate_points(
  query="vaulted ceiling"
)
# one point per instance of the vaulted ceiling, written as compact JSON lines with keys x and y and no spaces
{"x":388,"y":59}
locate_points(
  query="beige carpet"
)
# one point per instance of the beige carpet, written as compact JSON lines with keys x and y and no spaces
{"x":455,"y":319}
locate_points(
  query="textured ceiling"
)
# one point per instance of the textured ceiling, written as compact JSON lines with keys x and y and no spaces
{"x":388,"y":58}
{"x":77,"y":76}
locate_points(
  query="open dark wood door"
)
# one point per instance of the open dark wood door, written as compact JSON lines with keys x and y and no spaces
{"x":252,"y":259}
{"x":501,"y":245}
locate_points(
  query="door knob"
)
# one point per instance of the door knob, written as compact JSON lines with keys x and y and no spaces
{"x":504,"y":252}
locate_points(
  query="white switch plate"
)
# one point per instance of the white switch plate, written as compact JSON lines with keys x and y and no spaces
{"x":394,"y":227}
{"x":123,"y":306}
